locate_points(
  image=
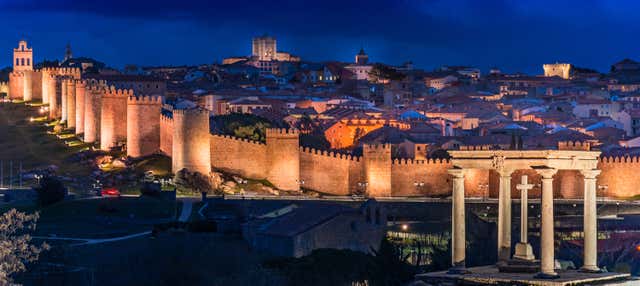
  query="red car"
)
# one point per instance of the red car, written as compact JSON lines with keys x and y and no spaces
{"x":110,"y":192}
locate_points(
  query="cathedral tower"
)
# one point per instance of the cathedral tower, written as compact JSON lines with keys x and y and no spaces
{"x":22,"y":57}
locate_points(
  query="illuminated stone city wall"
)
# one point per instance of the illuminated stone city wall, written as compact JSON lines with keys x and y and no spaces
{"x":16,"y":85}
{"x":166,"y":134}
{"x":80,"y":87}
{"x":619,"y":177}
{"x":191,"y":141}
{"x":239,"y":156}
{"x":329,"y":172}
{"x":92,"y":110}
{"x":71,"y":102}
{"x":113,"y":117}
{"x":143,"y":125}
{"x":283,"y":158}
{"x":4,"y":87}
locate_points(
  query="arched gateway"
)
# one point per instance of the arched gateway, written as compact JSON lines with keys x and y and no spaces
{"x":546,"y":163}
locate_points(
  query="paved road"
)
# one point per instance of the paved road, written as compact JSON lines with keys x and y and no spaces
{"x":89,"y":241}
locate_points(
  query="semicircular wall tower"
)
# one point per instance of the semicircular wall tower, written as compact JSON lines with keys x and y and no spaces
{"x":143,"y":125}
{"x":191,"y":141}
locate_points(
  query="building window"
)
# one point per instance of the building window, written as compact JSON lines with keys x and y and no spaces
{"x":17,"y":62}
{"x":22,"y":62}
{"x":28,"y":62}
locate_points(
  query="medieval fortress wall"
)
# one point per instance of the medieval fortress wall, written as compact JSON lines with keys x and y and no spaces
{"x":102,"y":113}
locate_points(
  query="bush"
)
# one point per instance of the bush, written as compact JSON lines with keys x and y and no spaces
{"x":151,"y":189}
{"x":50,"y":191}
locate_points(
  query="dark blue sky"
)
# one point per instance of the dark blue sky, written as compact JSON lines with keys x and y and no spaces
{"x":513,"y":35}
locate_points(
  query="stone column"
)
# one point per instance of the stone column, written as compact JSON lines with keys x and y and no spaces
{"x":458,"y":243}
{"x":547,"y":258}
{"x":523,"y":248}
{"x":504,"y":216}
{"x":590,"y":222}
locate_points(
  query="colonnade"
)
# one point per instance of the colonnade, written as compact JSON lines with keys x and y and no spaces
{"x":523,"y":249}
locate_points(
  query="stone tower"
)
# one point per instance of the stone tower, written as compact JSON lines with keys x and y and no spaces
{"x":71,"y":102}
{"x":50,"y":81}
{"x":143,"y":125}
{"x":63,"y":98}
{"x":46,"y":73}
{"x":92,"y":108}
{"x":67,"y":52}
{"x":377,"y":168}
{"x":283,"y":158}
{"x":27,"y":94}
{"x":22,"y":57}
{"x":113,"y":117}
{"x":362,"y":58}
{"x":265,"y":48}
{"x":16,"y":84}
{"x":80,"y":95}
{"x":191,"y":141}
{"x":562,"y":70}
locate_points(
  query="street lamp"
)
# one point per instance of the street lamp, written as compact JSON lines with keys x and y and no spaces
{"x":38,"y":178}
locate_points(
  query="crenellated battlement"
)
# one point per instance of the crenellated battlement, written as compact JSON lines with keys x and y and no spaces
{"x":435,"y":161}
{"x":282,"y":132}
{"x":192,"y":111}
{"x":112,"y":91}
{"x":376,"y":146}
{"x":17,"y":73}
{"x":245,"y":140}
{"x":331,"y":154}
{"x":574,"y":146}
{"x":475,"y":147}
{"x":96,"y":88}
{"x":150,"y":100}
{"x":619,"y":159}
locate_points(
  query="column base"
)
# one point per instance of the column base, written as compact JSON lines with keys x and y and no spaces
{"x":458,"y":270}
{"x":590,"y":269}
{"x":524,"y":251}
{"x":543,"y":275}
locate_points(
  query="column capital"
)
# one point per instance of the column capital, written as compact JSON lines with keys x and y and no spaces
{"x":505,"y":172}
{"x":590,"y":174}
{"x":457,"y":172}
{"x":545,"y":172}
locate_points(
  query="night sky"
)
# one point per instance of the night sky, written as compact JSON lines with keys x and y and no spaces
{"x":516,"y":36}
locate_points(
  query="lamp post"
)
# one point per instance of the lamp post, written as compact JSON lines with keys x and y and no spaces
{"x":38,"y":177}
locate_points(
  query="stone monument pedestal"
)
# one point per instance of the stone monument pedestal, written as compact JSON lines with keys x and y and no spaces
{"x":524,"y":251}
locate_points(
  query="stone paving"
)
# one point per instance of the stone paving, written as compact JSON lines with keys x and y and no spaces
{"x":489,"y":275}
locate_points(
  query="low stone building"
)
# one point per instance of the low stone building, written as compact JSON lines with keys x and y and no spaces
{"x":298,"y":229}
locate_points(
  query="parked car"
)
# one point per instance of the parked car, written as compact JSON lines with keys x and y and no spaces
{"x":110,"y":192}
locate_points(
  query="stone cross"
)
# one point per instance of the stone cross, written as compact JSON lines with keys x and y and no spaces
{"x":523,"y":249}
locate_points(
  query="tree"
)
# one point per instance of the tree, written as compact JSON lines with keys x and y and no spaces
{"x":381,"y":72}
{"x":198,"y":182}
{"x":15,"y":243}
{"x":50,"y":191}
